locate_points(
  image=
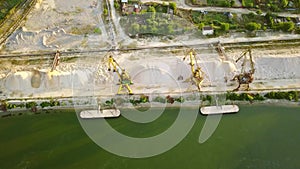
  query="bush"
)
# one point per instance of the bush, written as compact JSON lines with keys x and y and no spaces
{"x":54,"y":102}
{"x":151,"y":9}
{"x":144,"y":98}
{"x":105,"y":12}
{"x":225,"y":27}
{"x":173,"y":6}
{"x":291,"y":95}
{"x":232,"y":3}
{"x":200,"y":26}
{"x":109,"y":103}
{"x":116,"y":5}
{"x":30,"y":105}
{"x":259,"y":12}
{"x":3,"y":105}
{"x":207,"y":98}
{"x":285,"y":26}
{"x":159,"y":99}
{"x":244,"y":96}
{"x":284,"y":3}
{"x":45,"y":104}
{"x":253,"y":26}
{"x":11,"y":106}
{"x":270,"y":19}
{"x":180,"y":99}
{"x":170,"y":99}
{"x":135,"y":29}
{"x":97,"y":31}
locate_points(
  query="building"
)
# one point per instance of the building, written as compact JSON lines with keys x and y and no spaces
{"x":207,"y":30}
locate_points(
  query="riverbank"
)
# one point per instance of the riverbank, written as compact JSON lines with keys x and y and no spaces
{"x":193,"y":100}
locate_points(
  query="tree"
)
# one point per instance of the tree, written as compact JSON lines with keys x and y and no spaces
{"x":259,"y":12}
{"x":297,"y":3}
{"x":287,"y":26}
{"x":284,"y":3}
{"x":116,"y":5}
{"x":200,"y":26}
{"x":170,"y":29}
{"x":135,"y":28}
{"x":253,"y":26}
{"x":105,"y":12}
{"x":151,"y":9}
{"x":225,"y":27}
{"x":270,"y":19}
{"x":173,"y":6}
{"x":232,"y":3}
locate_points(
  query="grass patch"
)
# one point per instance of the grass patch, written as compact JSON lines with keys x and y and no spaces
{"x":7,"y":6}
{"x":88,"y":29}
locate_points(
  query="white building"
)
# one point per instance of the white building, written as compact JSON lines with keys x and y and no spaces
{"x":207,"y":30}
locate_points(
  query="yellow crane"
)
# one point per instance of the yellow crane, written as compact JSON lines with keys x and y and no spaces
{"x":197,"y":73}
{"x":245,"y":77}
{"x":124,"y":78}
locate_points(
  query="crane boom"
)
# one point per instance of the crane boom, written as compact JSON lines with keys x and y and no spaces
{"x":124,"y":77}
{"x":197,"y":73}
{"x":55,"y":61}
{"x":245,"y":77}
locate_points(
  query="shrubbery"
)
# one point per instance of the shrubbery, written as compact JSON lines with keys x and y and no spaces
{"x":291,"y":95}
{"x":253,"y":26}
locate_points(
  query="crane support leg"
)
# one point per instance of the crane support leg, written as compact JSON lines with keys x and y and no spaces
{"x":124,"y":86}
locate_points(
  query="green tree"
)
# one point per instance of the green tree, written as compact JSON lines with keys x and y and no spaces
{"x":116,"y":5}
{"x":297,"y":3}
{"x":284,"y":3}
{"x":135,"y":28}
{"x":287,"y":26}
{"x":232,"y":3}
{"x":200,"y":26}
{"x":225,"y":27}
{"x":170,"y":29}
{"x":105,"y":12}
{"x":151,"y":9}
{"x":259,"y":12}
{"x":270,"y":19}
{"x":253,"y":26}
{"x":173,"y":6}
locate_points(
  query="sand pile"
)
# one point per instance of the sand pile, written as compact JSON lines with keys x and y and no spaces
{"x":28,"y":82}
{"x":56,"y":24}
{"x":56,"y":38}
{"x":149,"y":72}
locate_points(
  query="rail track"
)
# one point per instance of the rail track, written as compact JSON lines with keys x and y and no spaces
{"x":77,"y":53}
{"x":17,"y":19}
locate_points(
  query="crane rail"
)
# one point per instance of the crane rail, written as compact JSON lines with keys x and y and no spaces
{"x":294,"y":42}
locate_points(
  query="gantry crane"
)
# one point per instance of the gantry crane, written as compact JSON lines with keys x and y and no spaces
{"x":226,"y":61}
{"x":197,"y":73}
{"x":245,"y":77}
{"x":56,"y":61}
{"x":124,"y":78}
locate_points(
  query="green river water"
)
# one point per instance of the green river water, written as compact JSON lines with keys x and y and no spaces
{"x":258,"y":137}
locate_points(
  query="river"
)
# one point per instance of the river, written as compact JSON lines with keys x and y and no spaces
{"x":259,"y":136}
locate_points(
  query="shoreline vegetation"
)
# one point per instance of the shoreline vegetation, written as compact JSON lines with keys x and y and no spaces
{"x":10,"y":108}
